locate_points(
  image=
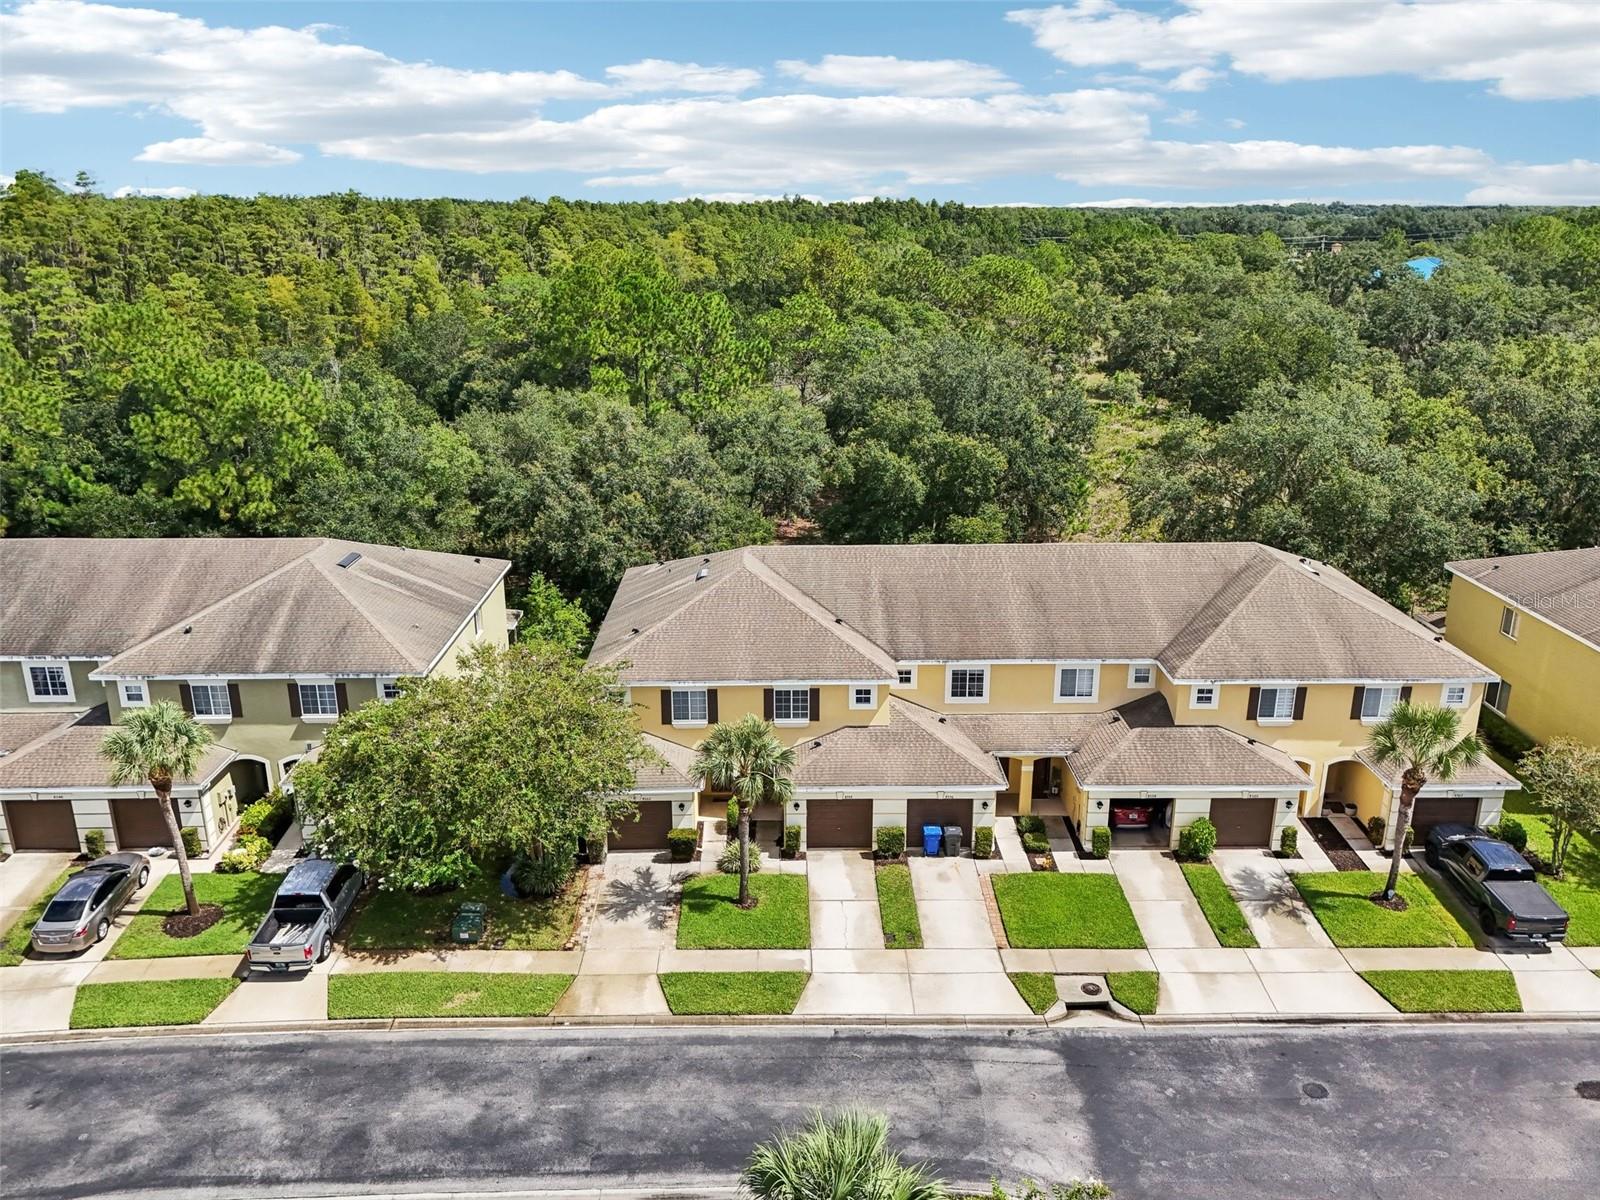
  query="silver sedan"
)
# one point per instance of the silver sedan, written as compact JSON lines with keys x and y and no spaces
{"x":80,"y":914}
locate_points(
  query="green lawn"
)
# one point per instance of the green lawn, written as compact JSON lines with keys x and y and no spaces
{"x":1136,"y":990}
{"x":1447,"y":991}
{"x":898,"y":908}
{"x":403,"y":921}
{"x":1217,"y":902}
{"x":1038,"y":989}
{"x":1579,"y":891}
{"x":149,"y":1002}
{"x":1339,"y":900}
{"x":732,"y":993}
{"x":15,"y":943}
{"x":711,"y":918}
{"x":1043,"y":909}
{"x":244,"y":898}
{"x":378,"y":994}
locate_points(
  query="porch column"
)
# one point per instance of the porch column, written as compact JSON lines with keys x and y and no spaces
{"x":1024,"y":785}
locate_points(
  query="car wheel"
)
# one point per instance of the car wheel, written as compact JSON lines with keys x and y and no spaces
{"x":325,"y":950}
{"x":101,"y":930}
{"x":1486,"y":921}
{"x":144,"y":876}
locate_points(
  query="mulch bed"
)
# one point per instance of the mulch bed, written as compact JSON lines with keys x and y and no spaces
{"x":1333,"y":844}
{"x":1398,"y":904}
{"x":182,"y":925}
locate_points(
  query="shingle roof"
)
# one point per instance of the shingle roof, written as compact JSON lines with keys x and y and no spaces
{"x":1485,"y":773}
{"x":68,"y":756}
{"x":915,"y":748}
{"x":1138,"y":746}
{"x":1204,"y":611}
{"x":252,"y":606}
{"x":1562,"y":586}
{"x":671,"y":774}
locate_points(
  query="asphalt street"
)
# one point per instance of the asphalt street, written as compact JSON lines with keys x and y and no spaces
{"x":1383,"y":1111}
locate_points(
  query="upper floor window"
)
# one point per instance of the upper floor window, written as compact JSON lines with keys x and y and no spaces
{"x":477,"y":624}
{"x":1141,"y":676}
{"x":1077,"y":683}
{"x":1203,"y":695}
{"x":905,"y":677}
{"x":210,"y":701}
{"x":864,"y":696}
{"x":1509,"y":619}
{"x":319,"y":700}
{"x":689,"y":706}
{"x":1454,"y":695}
{"x":48,"y":680}
{"x":388,"y":690}
{"x":791,"y":706}
{"x":969,"y":685}
{"x":1498,"y":696}
{"x":1275,"y":704}
{"x":133,"y":693}
{"x":1378,"y":702}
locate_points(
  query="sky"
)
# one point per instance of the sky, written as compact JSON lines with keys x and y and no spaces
{"x":1123,"y":102}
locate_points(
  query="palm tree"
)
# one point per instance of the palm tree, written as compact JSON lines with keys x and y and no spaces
{"x":1425,"y":743}
{"x":747,"y":759}
{"x":846,"y":1157}
{"x":156,"y":745}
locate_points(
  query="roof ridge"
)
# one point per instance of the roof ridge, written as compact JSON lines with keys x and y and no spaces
{"x":818,"y":612}
{"x":54,"y":733}
{"x":939,"y":726}
{"x":374,"y":561}
{"x":654,"y":628}
{"x":338,"y":587}
{"x":1255,"y":561}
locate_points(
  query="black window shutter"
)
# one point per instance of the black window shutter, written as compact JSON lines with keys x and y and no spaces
{"x":294,"y":698}
{"x":1405,"y":694}
{"x":815,"y":705}
{"x":1299,"y":703}
{"x":234,"y":702}
{"x":341,"y":696}
{"x":666,"y":706}
{"x":766,"y":703}
{"x":1355,"y":703}
{"x":186,"y":698}
{"x":1253,"y":706}
{"x":711,"y":706}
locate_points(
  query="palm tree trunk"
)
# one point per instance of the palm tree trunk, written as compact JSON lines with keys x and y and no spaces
{"x":744,"y":854}
{"x":164,"y":799}
{"x":1410,"y":785}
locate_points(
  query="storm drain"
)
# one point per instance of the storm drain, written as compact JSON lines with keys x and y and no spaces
{"x":1589,"y":1089}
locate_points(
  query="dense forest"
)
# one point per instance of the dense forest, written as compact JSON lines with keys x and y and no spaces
{"x":582,"y":386}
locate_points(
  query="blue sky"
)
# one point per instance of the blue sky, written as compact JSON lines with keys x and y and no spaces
{"x":1086,"y":101}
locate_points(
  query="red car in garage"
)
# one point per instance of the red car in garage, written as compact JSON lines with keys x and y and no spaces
{"x":1132,"y":814}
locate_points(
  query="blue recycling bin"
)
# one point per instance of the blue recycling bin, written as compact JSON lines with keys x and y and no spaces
{"x":931,"y":837}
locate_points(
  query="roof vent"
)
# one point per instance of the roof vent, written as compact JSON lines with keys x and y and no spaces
{"x":942,"y":720}
{"x":702,"y":572}
{"x":838,"y":620}
{"x":817,"y":745}
{"x":1250,"y":740}
{"x":188,"y":628}
{"x":1438,"y":637}
{"x":634,"y":631}
{"x":350,"y":560}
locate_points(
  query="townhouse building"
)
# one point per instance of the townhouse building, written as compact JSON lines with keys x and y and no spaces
{"x":952,"y":684}
{"x":266,"y":641}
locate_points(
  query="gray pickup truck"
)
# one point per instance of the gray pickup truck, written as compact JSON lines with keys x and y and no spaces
{"x":313,"y":899}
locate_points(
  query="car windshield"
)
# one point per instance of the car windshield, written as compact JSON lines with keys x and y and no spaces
{"x":63,"y":911}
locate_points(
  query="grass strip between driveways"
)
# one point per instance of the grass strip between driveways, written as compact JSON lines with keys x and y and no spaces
{"x":1137,"y":991}
{"x":1046,"y":910}
{"x":148,"y":1002}
{"x":1217,"y":902}
{"x":732,"y":993}
{"x":377,"y":994}
{"x":1447,"y":991}
{"x":1340,"y":901}
{"x":897,"y":907}
{"x":1037,"y":988}
{"x":404,"y":921}
{"x":711,"y":918}
{"x":244,"y":898}
{"x":14,"y":945}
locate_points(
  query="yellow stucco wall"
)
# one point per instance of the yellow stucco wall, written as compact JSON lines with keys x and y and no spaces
{"x":1554,"y":678}
{"x":14,"y":689}
{"x":1022,"y":687}
{"x":734,"y":702}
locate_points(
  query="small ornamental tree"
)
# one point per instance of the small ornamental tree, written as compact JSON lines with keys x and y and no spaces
{"x":1565,"y":778}
{"x":526,"y":749}
{"x":747,"y":759}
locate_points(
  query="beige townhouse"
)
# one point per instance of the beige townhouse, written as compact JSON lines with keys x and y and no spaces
{"x":950,"y":684}
{"x":264,"y":640}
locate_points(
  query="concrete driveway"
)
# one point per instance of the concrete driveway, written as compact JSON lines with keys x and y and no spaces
{"x":23,"y":879}
{"x":1271,"y":904}
{"x":950,"y":904}
{"x":844,"y":901}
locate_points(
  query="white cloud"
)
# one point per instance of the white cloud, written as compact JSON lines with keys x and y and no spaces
{"x":1524,"y":51}
{"x":7,"y":180}
{"x":659,"y":75}
{"x":217,"y":152}
{"x":1573,"y":182}
{"x":745,"y":197}
{"x":884,"y":73}
{"x":161,"y":193}
{"x":1145,"y":202}
{"x":1184,"y":116}
{"x":1195,"y":79}
{"x":1233,"y":122}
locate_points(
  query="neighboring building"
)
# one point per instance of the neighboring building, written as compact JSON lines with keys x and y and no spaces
{"x":948,"y":684}
{"x":265,"y":640}
{"x":1534,"y":619}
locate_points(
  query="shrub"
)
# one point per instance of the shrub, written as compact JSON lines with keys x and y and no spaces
{"x":733,"y":817}
{"x":248,"y":853}
{"x":983,"y":842}
{"x":544,"y":874}
{"x":1100,"y":842}
{"x":728,"y":864}
{"x":1376,"y":827}
{"x":1502,"y":734}
{"x":191,"y":841}
{"x":791,"y":841}
{"x":268,"y":816}
{"x":1513,"y":832}
{"x":94,"y":842}
{"x":681,"y":843}
{"x":1197,"y":841}
{"x":1030,"y":824}
{"x":1289,"y":841}
{"x":890,"y":840}
{"x":1036,"y":843}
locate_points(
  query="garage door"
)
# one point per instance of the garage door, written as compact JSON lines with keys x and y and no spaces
{"x":940,"y":813}
{"x":139,"y":824}
{"x":839,"y":824}
{"x":1442,"y":810}
{"x":41,"y":825}
{"x":1242,"y":822}
{"x":649,"y":832}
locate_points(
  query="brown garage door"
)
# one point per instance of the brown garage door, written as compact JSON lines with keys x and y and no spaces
{"x":838,"y":824}
{"x":41,"y":825}
{"x":1442,"y":810}
{"x":649,"y":832}
{"x":940,"y":813}
{"x":139,"y":824}
{"x":1242,"y":822}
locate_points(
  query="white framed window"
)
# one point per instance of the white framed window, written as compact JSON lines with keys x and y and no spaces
{"x":133,"y":693}
{"x":210,"y":701}
{"x":791,"y":706}
{"x":49,"y":680}
{"x":1203,"y":695}
{"x":1509,"y":620}
{"x":319,"y":699}
{"x":1498,"y":696}
{"x":1141,"y":675}
{"x":967,"y":684}
{"x":1077,"y":682}
{"x":388,"y":690}
{"x":1377,"y":703}
{"x":905,"y":677}
{"x":688,"y":706}
{"x":1275,"y":705}
{"x":863,"y":696}
{"x":1454,"y":695}
{"x":477,"y":624}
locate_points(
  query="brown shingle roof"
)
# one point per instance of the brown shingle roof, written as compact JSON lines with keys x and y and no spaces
{"x":915,"y":748}
{"x":671,"y":773}
{"x":1562,"y":586}
{"x":1484,"y":773}
{"x":68,"y":756}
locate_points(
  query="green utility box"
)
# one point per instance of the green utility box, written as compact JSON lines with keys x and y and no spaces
{"x":467,"y":928}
